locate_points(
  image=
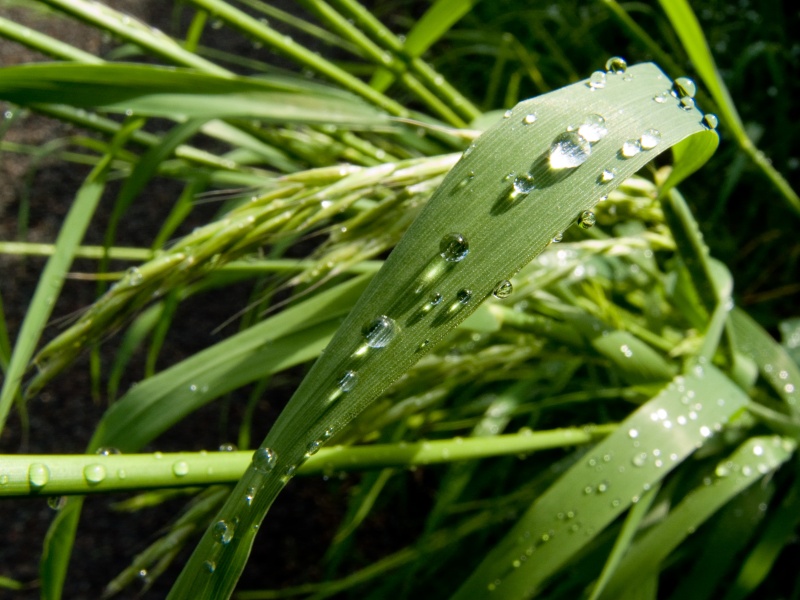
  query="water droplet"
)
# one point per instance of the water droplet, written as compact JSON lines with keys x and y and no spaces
{"x":222,"y":531}
{"x":558,"y":237}
{"x":503,"y":289}
{"x":469,"y":177}
{"x":602,"y":487}
{"x":593,"y":129}
{"x":133,"y":276}
{"x":435,"y":300}
{"x":523,"y":185}
{"x":639,"y":460}
{"x":454,"y":247}
{"x":94,"y":474}
{"x":705,"y":431}
{"x":587,"y":219}
{"x":529,"y":119}
{"x":4,"y":479}
{"x":381,"y":331}
{"x":313,"y":447}
{"x":228,"y":447}
{"x":633,"y":433}
{"x":57,"y":502}
{"x":250,"y":495}
{"x":264,"y":460}
{"x":631,"y":148}
{"x":649,"y":139}
{"x":616,"y":64}
{"x":687,"y":103}
{"x":180,"y":468}
{"x":348,"y":381}
{"x":626,"y":350}
{"x":569,"y":150}
{"x":685,"y":87}
{"x":607,"y":175}
{"x":597,"y":80}
{"x":662,"y":97}
{"x":210,"y":566}
{"x":464,"y":296}
{"x":507,"y":114}
{"x":710,"y":120}
{"x":470,"y":149}
{"x":107,"y":451}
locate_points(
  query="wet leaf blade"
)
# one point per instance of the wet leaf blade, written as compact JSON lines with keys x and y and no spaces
{"x":504,"y":232}
{"x":565,"y":517}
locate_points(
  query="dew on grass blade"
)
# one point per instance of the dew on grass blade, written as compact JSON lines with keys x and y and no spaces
{"x":464,"y":296}
{"x":597,"y":80}
{"x":133,"y":276}
{"x":380,"y":332}
{"x":685,"y":87}
{"x":649,"y":139}
{"x":569,"y":150}
{"x":454,"y":247}
{"x":107,"y":451}
{"x":587,"y":220}
{"x":616,"y":64}
{"x":38,"y":475}
{"x":522,"y":185}
{"x":264,"y":460}
{"x":222,"y":531}
{"x":687,"y":103}
{"x":94,"y":474}
{"x":503,"y":289}
{"x":593,"y":129}
{"x":710,"y":120}
{"x":607,"y":175}
{"x":313,"y":447}
{"x":631,"y":148}
{"x":529,"y":119}
{"x":348,"y":381}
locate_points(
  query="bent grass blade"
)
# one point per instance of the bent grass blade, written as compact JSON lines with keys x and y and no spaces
{"x":526,"y":179}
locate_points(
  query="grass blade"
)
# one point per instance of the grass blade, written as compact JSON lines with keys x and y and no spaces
{"x":515,"y":188}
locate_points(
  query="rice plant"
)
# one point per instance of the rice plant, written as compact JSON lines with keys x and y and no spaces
{"x":461,"y":288}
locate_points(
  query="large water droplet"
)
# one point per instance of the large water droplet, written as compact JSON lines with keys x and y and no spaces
{"x":180,"y":468}
{"x":593,"y":129}
{"x":616,"y":64}
{"x":687,"y":103}
{"x":710,"y":120}
{"x":569,"y":150}
{"x":464,"y":296}
{"x":380,"y":332}
{"x":685,"y":87}
{"x":631,"y":148}
{"x":264,"y":460}
{"x":503,"y":289}
{"x":454,"y":247}
{"x":649,"y":139}
{"x":587,"y":219}
{"x":94,"y":474}
{"x":222,"y":531}
{"x":348,"y":381}
{"x":597,"y":80}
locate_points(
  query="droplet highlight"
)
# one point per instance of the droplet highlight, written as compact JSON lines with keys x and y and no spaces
{"x":587,"y":220}
{"x":222,"y":531}
{"x":685,"y":87}
{"x":710,"y":120}
{"x":454,"y":247}
{"x":649,"y":139}
{"x":631,"y":148}
{"x":380,"y":332}
{"x":569,"y":150}
{"x":597,"y":80}
{"x":264,"y":460}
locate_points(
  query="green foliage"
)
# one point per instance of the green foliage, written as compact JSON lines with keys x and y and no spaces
{"x":601,"y":416}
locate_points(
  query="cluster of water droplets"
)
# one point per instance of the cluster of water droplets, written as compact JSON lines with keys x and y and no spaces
{"x":615,"y":67}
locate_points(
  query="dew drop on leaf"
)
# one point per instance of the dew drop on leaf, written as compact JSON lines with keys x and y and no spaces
{"x":464,"y":296}
{"x":687,"y":103}
{"x":710,"y":120}
{"x":454,"y":247}
{"x":529,"y":119}
{"x":380,"y":332}
{"x":685,"y":87}
{"x":587,"y":219}
{"x":607,"y":175}
{"x":597,"y":80}
{"x":503,"y":289}
{"x":523,"y":185}
{"x":222,"y":531}
{"x":569,"y":150}
{"x":616,"y":64}
{"x":650,"y":139}
{"x":264,"y":460}
{"x":631,"y":148}
{"x":348,"y":381}
{"x":593,"y":129}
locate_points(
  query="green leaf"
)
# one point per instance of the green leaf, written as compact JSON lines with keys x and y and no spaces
{"x":424,"y":290}
{"x":182,"y":94}
{"x":651,"y":442}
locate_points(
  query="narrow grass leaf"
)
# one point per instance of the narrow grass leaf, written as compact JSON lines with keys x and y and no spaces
{"x":182,"y":94}
{"x":651,"y":442}
{"x":755,"y":458}
{"x":523,"y":181}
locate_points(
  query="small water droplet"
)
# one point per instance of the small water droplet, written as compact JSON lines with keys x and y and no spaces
{"x":4,"y":479}
{"x":381,"y":331}
{"x":470,"y":149}
{"x":180,"y":468}
{"x":250,"y":495}
{"x":57,"y":502}
{"x":616,"y":64}
{"x":710,"y":120}
{"x":313,"y":447}
{"x":503,"y":289}
{"x":587,"y":219}
{"x":685,"y":87}
{"x":469,"y":177}
{"x":133,"y":276}
{"x":454,"y":247}
{"x":593,"y":129}
{"x":94,"y":474}
{"x":558,"y":237}
{"x":228,"y":447}
{"x":464,"y":296}
{"x":649,"y":139}
{"x":523,"y":185}
{"x":640,"y":459}
{"x":705,"y":431}
{"x":507,"y":114}
{"x":348,"y":381}
{"x":222,"y":531}
{"x":662,"y":97}
{"x":597,"y":80}
{"x":264,"y":460}
{"x":607,"y":175}
{"x":633,"y":433}
{"x":687,"y":103}
{"x":569,"y":150}
{"x":210,"y":566}
{"x":529,"y":119}
{"x":107,"y":451}
{"x":631,"y":148}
